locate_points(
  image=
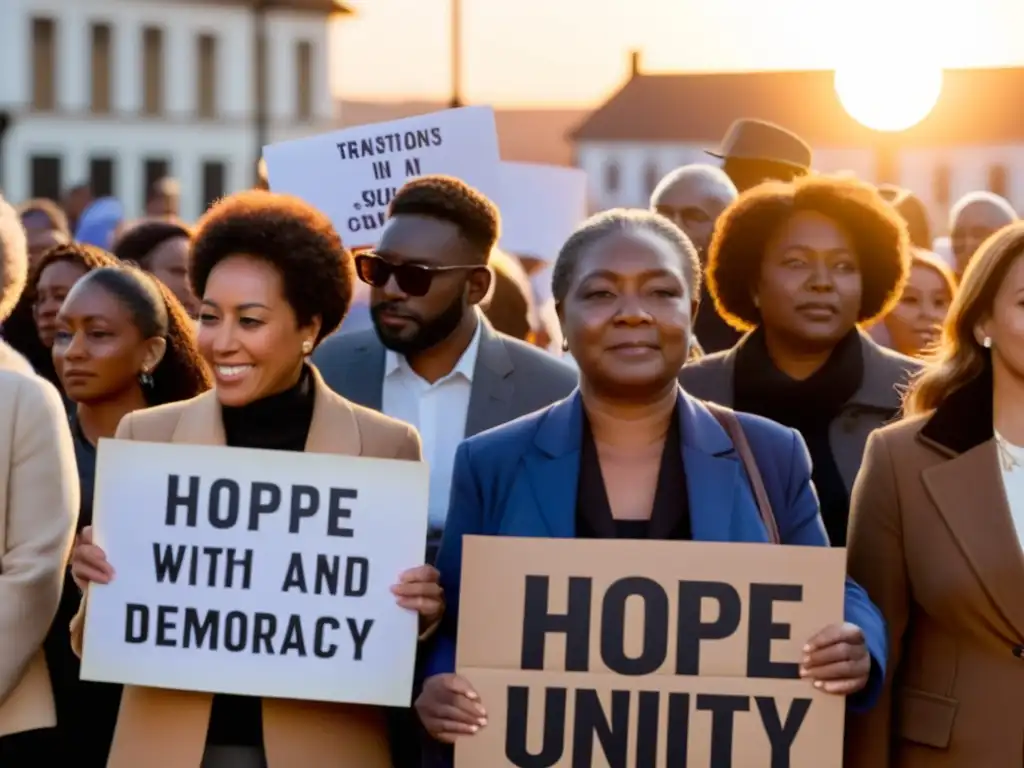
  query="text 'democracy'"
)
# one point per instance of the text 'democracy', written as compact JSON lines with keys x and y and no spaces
{"x":255,"y":572}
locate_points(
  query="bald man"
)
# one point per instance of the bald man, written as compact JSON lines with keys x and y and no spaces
{"x":693,"y":197}
{"x":972,"y":219}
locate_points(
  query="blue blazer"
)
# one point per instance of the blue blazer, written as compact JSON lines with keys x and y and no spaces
{"x":520,"y":479}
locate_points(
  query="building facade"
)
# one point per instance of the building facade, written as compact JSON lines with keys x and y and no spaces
{"x":972,"y":140}
{"x":119,"y":93}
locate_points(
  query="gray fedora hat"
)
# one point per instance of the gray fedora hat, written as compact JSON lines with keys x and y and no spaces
{"x":749,"y":139}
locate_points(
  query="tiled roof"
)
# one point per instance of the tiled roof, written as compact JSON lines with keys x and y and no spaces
{"x":979,"y":106}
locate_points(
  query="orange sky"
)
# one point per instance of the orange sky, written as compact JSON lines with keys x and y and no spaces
{"x":574,"y":52}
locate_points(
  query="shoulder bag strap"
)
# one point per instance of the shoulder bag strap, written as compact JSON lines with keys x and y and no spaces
{"x":727,"y":418}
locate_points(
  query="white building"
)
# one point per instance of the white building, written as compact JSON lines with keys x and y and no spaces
{"x":972,"y":140}
{"x":122,"y":92}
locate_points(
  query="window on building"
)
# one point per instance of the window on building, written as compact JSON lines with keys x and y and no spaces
{"x":206,"y":76}
{"x":101,"y":97}
{"x":45,"y":175}
{"x":153,"y":170}
{"x":101,"y":176}
{"x":998,"y":180}
{"x":941,"y":185}
{"x":214,"y":187}
{"x":152,"y":71}
{"x":612,"y":177}
{"x":44,"y":64}
{"x":651,"y":177}
{"x":304,"y":80}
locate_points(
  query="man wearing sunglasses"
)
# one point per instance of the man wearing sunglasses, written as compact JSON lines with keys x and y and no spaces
{"x":432,"y":359}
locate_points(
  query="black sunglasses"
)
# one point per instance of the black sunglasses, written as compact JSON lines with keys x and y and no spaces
{"x":412,"y":279}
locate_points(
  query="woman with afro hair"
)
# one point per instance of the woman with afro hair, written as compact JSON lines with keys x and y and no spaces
{"x":799,"y":266}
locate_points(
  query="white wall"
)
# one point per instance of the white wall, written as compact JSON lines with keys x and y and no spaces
{"x":74,"y":133}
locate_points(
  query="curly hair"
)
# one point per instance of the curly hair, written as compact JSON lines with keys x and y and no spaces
{"x":745,"y":228}
{"x":88,"y":257}
{"x":449,"y":199}
{"x":47,"y":210}
{"x":13,"y":259}
{"x":615,"y":221}
{"x":138,"y":243}
{"x":298,"y":240}
{"x":181,"y":373}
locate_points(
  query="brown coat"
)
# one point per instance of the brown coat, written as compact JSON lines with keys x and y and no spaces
{"x":161,"y":728}
{"x":932,"y":541}
{"x":38,"y":512}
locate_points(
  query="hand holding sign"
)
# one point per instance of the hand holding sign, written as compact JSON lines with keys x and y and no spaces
{"x":837,"y":660}
{"x":417,"y":590}
{"x":89,"y":562}
{"x":448,"y":707}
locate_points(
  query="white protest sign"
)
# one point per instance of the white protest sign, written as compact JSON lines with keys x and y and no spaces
{"x":352,"y":174}
{"x":262,"y":573}
{"x":540,"y":206}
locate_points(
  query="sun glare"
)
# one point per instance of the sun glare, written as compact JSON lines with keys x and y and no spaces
{"x":887,"y":97}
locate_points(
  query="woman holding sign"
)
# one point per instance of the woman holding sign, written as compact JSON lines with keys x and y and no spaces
{"x":274,"y":280}
{"x":936,"y":528}
{"x":632,"y":456}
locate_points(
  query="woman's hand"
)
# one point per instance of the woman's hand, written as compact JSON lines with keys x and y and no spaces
{"x":837,"y":660}
{"x":418,"y":590}
{"x":89,"y":562}
{"x":448,"y":707}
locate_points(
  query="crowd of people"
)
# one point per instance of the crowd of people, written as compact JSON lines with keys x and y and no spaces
{"x":767,"y":354}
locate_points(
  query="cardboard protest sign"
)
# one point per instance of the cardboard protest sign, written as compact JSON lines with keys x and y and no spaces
{"x":647,"y":654}
{"x":352,"y":174}
{"x":252,"y":572}
{"x":540,"y":206}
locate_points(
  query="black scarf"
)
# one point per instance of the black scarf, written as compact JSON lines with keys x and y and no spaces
{"x":809,"y":406}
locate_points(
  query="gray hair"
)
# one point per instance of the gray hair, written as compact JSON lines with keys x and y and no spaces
{"x":616,"y":221}
{"x":13,"y":259}
{"x":975,"y":198}
{"x":697,"y":172}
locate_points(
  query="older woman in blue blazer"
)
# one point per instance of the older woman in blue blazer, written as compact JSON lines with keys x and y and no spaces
{"x":630,"y":455}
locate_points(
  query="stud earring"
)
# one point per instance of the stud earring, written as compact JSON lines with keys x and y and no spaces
{"x":307,"y":347}
{"x":987,"y":342}
{"x":757,"y":302}
{"x":145,"y":378}
{"x":565,"y":345}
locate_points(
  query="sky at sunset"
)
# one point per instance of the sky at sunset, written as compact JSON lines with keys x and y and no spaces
{"x":573,"y":52}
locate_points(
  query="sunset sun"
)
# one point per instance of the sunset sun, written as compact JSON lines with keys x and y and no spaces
{"x":887,"y":97}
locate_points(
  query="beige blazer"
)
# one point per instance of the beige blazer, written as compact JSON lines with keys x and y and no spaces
{"x":160,"y":728}
{"x":38,"y":514}
{"x":932,"y":541}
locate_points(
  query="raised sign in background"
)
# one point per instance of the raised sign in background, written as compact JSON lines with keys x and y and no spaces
{"x":647,"y":654}
{"x":252,"y":572}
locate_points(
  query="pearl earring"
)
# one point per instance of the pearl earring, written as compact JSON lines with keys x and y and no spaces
{"x":307,"y":347}
{"x":987,"y":342}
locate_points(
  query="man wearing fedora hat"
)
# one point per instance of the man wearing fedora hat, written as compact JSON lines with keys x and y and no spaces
{"x":755,"y":151}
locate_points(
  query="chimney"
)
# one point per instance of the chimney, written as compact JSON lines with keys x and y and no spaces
{"x":634,"y":63}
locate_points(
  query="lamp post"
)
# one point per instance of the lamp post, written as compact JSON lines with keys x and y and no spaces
{"x":456,"y":53}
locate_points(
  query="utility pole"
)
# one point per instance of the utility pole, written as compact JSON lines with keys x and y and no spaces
{"x":260,"y":118}
{"x":456,"y":53}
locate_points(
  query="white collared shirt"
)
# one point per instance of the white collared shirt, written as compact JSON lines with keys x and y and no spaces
{"x":438,"y":411}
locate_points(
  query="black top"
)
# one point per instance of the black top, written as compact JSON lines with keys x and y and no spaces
{"x":809,"y":406}
{"x":712,"y":332}
{"x":670,"y":515}
{"x":281,"y":423}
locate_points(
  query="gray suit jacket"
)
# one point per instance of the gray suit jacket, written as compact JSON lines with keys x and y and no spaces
{"x":511,"y":378}
{"x":876,"y":402}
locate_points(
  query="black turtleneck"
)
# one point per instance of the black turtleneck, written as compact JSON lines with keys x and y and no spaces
{"x":279,"y":423}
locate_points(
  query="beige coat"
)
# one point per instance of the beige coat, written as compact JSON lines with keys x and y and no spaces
{"x":159,"y":728}
{"x":38,"y":513}
{"x":933,"y":542}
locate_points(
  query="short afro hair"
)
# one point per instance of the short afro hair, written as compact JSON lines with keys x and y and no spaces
{"x":47,"y":210}
{"x":742,"y":233}
{"x":138,"y":242}
{"x":299,"y":241}
{"x":449,"y":199}
{"x":615,"y":221}
{"x":13,"y":259}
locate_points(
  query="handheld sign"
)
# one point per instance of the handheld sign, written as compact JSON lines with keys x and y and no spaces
{"x":261,"y":573}
{"x":540,"y":206}
{"x":352,"y":174}
{"x":647,"y":654}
